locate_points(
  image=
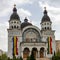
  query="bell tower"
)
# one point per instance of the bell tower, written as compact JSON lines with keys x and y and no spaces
{"x":14,"y":22}
{"x":47,"y":33}
{"x":14,"y":34}
{"x":46,"y":22}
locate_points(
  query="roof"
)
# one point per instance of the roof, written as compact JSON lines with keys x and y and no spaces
{"x":14,"y":15}
{"x":45,"y":18}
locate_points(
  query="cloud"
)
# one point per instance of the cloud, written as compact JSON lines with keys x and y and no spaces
{"x":3,"y":36}
{"x":54,"y":14}
{"x":24,"y":13}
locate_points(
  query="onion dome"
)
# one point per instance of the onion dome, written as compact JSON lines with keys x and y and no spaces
{"x":14,"y":15}
{"x":25,"y":23}
{"x":45,"y":17}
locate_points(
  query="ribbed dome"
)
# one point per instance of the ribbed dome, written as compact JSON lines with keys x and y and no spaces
{"x":45,"y":17}
{"x":14,"y":15}
{"x":25,"y":23}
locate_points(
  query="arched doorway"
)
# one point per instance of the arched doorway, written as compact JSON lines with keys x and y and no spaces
{"x":26,"y":52}
{"x":34,"y":52}
{"x":42,"y":52}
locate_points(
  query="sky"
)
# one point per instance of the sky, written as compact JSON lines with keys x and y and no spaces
{"x":33,"y":10}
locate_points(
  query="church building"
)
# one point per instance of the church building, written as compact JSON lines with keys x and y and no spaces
{"x":25,"y":38}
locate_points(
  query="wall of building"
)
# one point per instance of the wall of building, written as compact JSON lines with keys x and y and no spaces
{"x":57,"y":45}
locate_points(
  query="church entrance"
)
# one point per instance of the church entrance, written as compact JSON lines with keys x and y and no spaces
{"x":26,"y":52}
{"x":34,"y":52}
{"x":42,"y":52}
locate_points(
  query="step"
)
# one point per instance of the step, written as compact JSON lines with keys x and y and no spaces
{"x":42,"y":59}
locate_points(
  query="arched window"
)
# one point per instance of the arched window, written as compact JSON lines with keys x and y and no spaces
{"x":14,"y":26}
{"x":26,"y":52}
{"x":45,"y":24}
{"x":48,"y":28}
{"x":14,"y":21}
{"x":45,"y":28}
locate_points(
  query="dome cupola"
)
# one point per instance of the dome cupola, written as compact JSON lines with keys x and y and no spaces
{"x":25,"y":23}
{"x":45,"y":22}
{"x":14,"y":22}
{"x":14,"y":15}
{"x":45,"y":17}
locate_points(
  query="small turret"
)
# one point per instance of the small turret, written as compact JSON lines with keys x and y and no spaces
{"x":45,"y":22}
{"x":14,"y":22}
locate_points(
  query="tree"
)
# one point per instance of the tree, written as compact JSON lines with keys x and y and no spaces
{"x":56,"y":56}
{"x":4,"y":57}
{"x":32,"y":56}
{"x":20,"y":58}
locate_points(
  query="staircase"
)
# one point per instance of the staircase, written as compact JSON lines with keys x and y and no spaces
{"x":42,"y":59}
{"x":39,"y":59}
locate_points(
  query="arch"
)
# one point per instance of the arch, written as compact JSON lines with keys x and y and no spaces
{"x":42,"y":52}
{"x":45,"y":28}
{"x":14,"y":26}
{"x":34,"y":52}
{"x":35,"y":30}
{"x":34,"y":27}
{"x":26,"y":52}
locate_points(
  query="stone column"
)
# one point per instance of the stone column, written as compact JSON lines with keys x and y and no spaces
{"x":44,"y":53}
{"x":29,"y":53}
{"x":38,"y":54}
{"x":22,"y":54}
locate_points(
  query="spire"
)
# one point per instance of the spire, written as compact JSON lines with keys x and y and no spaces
{"x":45,"y":17}
{"x":14,"y":9}
{"x":14,"y":14}
{"x":45,"y":11}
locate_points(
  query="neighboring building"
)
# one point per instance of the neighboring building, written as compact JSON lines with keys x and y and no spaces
{"x":25,"y":38}
{"x":1,"y":52}
{"x":57,"y":45}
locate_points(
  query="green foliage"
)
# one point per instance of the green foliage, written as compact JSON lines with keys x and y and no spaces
{"x":56,"y":56}
{"x":28,"y":58}
{"x":20,"y":58}
{"x":4,"y":57}
{"x":31,"y":56}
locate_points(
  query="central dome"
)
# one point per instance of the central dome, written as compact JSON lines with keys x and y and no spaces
{"x":25,"y":23}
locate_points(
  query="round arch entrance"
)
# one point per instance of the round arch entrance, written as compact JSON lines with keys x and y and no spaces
{"x":34,"y":52}
{"x":42,"y":52}
{"x":26,"y":52}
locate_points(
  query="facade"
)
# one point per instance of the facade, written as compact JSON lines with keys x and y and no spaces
{"x":25,"y":38}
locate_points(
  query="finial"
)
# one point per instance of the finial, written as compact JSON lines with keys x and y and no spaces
{"x":14,"y":5}
{"x":45,"y":11}
{"x":45,"y":8}
{"x":14,"y":9}
{"x":26,"y":20}
{"x":25,"y":17}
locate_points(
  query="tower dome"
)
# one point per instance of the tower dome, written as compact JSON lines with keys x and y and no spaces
{"x":14,"y":15}
{"x":45,"y":17}
{"x":46,"y":22}
{"x":14,"y":22}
